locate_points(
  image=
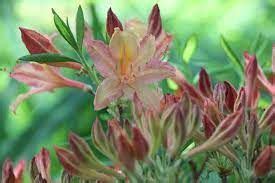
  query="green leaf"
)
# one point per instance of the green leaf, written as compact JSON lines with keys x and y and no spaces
{"x":189,"y":48}
{"x":232,"y":56}
{"x":80,"y":24}
{"x":172,"y":85}
{"x":64,"y":30}
{"x":46,"y":57}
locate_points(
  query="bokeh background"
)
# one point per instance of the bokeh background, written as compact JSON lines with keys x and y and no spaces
{"x":46,"y":119}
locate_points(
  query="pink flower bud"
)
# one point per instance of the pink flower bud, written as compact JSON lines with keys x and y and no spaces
{"x":240,"y":100}
{"x":13,"y":175}
{"x":36,"y":43}
{"x":224,"y":132}
{"x":209,"y":126}
{"x":230,"y":96}
{"x":212,"y":111}
{"x":263,"y":164}
{"x":219,"y":96}
{"x":251,"y":79}
{"x":140,"y":144}
{"x":112,"y":22}
{"x":126,"y":152}
{"x":154,"y":22}
{"x":205,"y":84}
{"x":99,"y":137}
{"x":40,"y":167}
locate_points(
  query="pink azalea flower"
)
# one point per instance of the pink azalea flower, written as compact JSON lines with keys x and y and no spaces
{"x":41,"y":78}
{"x":128,"y":65}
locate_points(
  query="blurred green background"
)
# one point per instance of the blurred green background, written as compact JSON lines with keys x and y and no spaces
{"x":45,"y":119}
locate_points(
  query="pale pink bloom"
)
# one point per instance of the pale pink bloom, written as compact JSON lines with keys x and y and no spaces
{"x":41,"y":78}
{"x":128,"y":66}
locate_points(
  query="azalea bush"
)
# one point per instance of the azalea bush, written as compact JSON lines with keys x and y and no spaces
{"x":151,"y":135}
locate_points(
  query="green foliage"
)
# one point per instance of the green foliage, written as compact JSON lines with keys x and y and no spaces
{"x":46,"y":58}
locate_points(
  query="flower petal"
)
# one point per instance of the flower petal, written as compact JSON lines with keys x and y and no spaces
{"x":155,"y":71}
{"x":137,"y":27}
{"x":124,"y":46}
{"x":147,"y":50}
{"x":101,"y":56}
{"x":109,"y":90}
{"x":162,"y":42}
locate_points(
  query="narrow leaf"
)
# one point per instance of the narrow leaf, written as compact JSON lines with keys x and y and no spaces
{"x":80,"y":26}
{"x":64,"y":30}
{"x":46,"y":57}
{"x":189,"y":48}
{"x":231,"y":55}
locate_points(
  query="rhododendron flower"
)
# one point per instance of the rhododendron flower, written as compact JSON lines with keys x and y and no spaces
{"x":41,"y":78}
{"x":127,"y":66}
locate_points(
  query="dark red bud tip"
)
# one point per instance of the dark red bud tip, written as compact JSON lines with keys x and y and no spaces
{"x":205,"y":83}
{"x":112,"y":22}
{"x":154,"y":22}
{"x":263,"y":164}
{"x":140,"y":145}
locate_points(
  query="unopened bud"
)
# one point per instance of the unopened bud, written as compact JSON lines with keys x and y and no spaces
{"x":205,"y":85}
{"x":268,"y":117}
{"x":140,"y":144}
{"x":240,"y":100}
{"x":154,"y":22}
{"x":230,"y":96}
{"x":126,"y":152}
{"x":40,"y":167}
{"x":112,"y":23}
{"x":263,"y":164}
{"x":209,"y":126}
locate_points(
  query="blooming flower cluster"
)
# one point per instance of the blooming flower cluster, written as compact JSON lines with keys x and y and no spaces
{"x":165,"y":134}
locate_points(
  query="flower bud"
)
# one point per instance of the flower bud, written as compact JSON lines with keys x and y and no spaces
{"x":140,"y":144}
{"x":205,"y":84}
{"x":40,"y":167}
{"x":251,"y":79}
{"x":219,"y":95}
{"x":12,"y":175}
{"x":263,"y":164}
{"x":268,"y":117}
{"x":224,"y":132}
{"x":126,"y":152}
{"x":240,"y":100}
{"x":210,"y":108}
{"x":209,"y":126}
{"x":230,"y":96}
{"x":73,"y":166}
{"x":112,"y":23}
{"x":36,"y":43}
{"x":138,"y":108}
{"x":99,"y":137}
{"x":154,"y":22}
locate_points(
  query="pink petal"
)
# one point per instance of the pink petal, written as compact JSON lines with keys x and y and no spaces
{"x":137,"y":27}
{"x":147,"y":50}
{"x":101,"y":57}
{"x":124,"y":46}
{"x":155,"y":71}
{"x":20,"y":98}
{"x":109,"y":90}
{"x":162,"y":42}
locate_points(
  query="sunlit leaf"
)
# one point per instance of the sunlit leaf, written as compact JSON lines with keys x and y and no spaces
{"x":80,"y":27}
{"x":64,"y":30}
{"x":172,"y":85}
{"x":46,"y":57}
{"x":189,"y":48}
{"x":231,"y":55}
